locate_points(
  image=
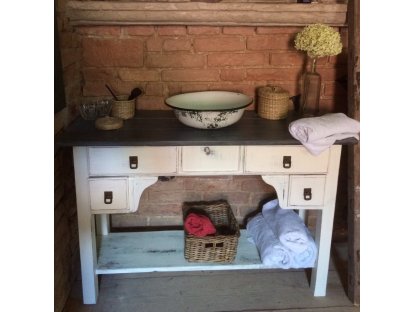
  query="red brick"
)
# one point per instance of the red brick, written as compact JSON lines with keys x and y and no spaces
{"x":219,"y":44}
{"x":332,"y":74}
{"x":278,"y":30}
{"x":174,"y":88}
{"x":127,"y":74}
{"x":99,"y":30}
{"x":90,"y":74}
{"x":139,"y":30}
{"x":174,"y":197}
{"x":189,"y":87}
{"x":70,"y":56}
{"x":154,"y":89}
{"x":288,"y":59}
{"x":154,"y":44}
{"x":340,"y":59}
{"x":149,"y":102}
{"x":247,"y":89}
{"x":237,"y":59}
{"x":97,"y":88}
{"x":171,"y":30}
{"x":177,"y":44}
{"x":161,"y":209}
{"x":105,"y":52}
{"x":233,"y":74}
{"x":255,"y":185}
{"x":238,"y":30}
{"x":190,"y":75}
{"x":263,"y":42}
{"x":278,"y":74}
{"x":175,"y":60}
{"x":332,"y":88}
{"x":207,"y":184}
{"x":204,"y":30}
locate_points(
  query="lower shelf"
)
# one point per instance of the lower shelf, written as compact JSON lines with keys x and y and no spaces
{"x":162,"y":251}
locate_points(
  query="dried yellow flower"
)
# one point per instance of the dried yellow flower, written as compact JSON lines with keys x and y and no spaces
{"x":319,"y":40}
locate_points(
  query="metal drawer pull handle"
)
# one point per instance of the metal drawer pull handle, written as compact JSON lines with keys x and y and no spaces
{"x":133,"y":161}
{"x":108,"y":198}
{"x":207,"y":150}
{"x":307,"y":193}
{"x":287,"y":161}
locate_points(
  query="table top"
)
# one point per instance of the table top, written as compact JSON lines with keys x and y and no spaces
{"x":162,"y":128}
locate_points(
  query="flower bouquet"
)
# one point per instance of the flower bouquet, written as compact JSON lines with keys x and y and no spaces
{"x":317,"y":40}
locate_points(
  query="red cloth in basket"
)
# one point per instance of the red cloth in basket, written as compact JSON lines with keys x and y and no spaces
{"x":199,"y":225}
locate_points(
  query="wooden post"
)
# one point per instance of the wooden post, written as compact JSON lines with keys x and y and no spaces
{"x":354,"y":153}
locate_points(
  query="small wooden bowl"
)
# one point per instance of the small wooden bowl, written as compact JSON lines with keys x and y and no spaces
{"x":109,"y":123}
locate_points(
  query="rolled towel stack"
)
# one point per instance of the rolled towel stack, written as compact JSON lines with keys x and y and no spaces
{"x":285,"y":229}
{"x":319,"y":133}
{"x":272,"y":252}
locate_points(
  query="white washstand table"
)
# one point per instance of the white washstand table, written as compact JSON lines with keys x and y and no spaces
{"x":113,"y":168}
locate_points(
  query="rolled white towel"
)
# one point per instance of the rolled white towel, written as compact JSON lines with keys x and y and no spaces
{"x":319,"y":133}
{"x":306,"y":258}
{"x":287,"y":226}
{"x":272,"y":252}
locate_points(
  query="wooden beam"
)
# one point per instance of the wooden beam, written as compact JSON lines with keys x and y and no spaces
{"x":354,"y":153}
{"x":201,"y":13}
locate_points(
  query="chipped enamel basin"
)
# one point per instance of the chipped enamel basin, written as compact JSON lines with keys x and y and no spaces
{"x":209,"y":109}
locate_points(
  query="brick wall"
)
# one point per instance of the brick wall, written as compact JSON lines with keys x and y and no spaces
{"x":167,"y":60}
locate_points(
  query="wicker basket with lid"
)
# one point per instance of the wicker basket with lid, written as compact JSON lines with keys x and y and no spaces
{"x":273,"y":102}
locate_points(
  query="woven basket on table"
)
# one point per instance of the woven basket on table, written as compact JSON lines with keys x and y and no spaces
{"x":123,"y":108}
{"x":216,"y":248}
{"x":273,"y":102}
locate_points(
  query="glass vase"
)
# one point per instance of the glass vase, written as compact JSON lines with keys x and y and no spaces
{"x":311,"y":89}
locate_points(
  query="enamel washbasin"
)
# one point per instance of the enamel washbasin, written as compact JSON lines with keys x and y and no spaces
{"x":209,"y":109}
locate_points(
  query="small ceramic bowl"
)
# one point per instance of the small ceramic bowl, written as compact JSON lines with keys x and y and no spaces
{"x":209,"y":109}
{"x":91,"y":110}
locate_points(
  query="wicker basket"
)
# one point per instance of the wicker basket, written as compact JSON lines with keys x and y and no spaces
{"x":273,"y":102}
{"x":123,"y":108}
{"x":216,"y":248}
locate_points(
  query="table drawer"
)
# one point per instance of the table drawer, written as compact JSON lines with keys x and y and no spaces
{"x":128,"y":160}
{"x":306,"y":190}
{"x":210,"y":159}
{"x":109,"y":194}
{"x":284,"y":159}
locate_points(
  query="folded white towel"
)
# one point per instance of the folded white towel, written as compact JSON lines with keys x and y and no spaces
{"x":319,"y":133}
{"x":287,"y":226}
{"x":272,"y":252}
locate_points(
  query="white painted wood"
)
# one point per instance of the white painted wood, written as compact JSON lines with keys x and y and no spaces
{"x":118,"y":255}
{"x":163,"y":251}
{"x":118,"y":188}
{"x":86,"y":227}
{"x":269,"y":159}
{"x":126,"y":193}
{"x":281,"y":185}
{"x":210,"y":159}
{"x":297,"y":184}
{"x":116,"y":160}
{"x":136,"y":187}
{"x":324,"y":224}
{"x":303,"y":214}
{"x":102,"y":224}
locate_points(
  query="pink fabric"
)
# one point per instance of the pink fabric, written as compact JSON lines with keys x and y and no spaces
{"x":199,"y":225}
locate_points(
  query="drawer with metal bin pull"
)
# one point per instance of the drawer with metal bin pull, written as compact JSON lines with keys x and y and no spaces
{"x":131,"y":160}
{"x":306,"y":190}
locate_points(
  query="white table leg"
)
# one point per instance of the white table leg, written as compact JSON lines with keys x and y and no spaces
{"x":86,"y":228}
{"x":324,"y":225}
{"x":103,"y":224}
